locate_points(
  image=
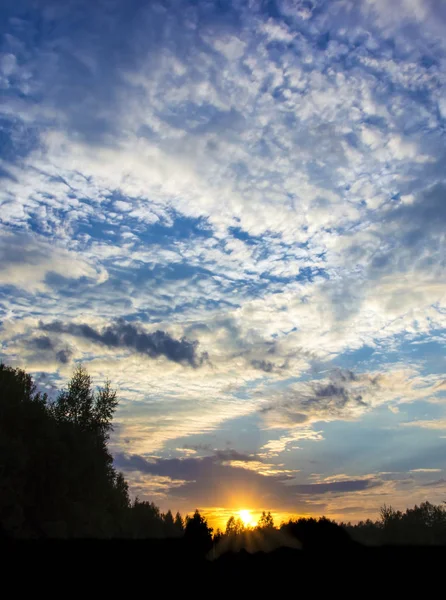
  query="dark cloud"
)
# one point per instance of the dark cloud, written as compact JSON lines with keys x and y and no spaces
{"x":343,"y":391}
{"x":64,"y":356}
{"x":43,"y":343}
{"x":18,"y":248}
{"x":198,"y":447}
{"x":224,"y":455}
{"x":231,"y":454}
{"x":128,"y":335}
{"x":208,"y":482}
{"x":353,"y":485}
{"x":424,"y":217}
{"x":338,"y":394}
{"x":346,"y":375}
{"x":438,"y":482}
{"x":263,"y":365}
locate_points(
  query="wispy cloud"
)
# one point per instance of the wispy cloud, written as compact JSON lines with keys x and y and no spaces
{"x":427,"y":424}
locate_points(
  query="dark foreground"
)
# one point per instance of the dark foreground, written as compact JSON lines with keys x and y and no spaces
{"x":408,"y":563}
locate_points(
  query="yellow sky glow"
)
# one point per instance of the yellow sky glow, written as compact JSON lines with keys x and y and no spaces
{"x":247,"y":518}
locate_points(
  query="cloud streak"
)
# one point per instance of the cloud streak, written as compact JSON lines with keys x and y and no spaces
{"x":127,"y":335}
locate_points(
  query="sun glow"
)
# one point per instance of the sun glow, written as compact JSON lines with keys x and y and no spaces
{"x":246,"y":517}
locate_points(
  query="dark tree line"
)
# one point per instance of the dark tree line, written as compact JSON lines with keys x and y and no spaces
{"x":57,"y":480}
{"x":422,"y":525}
{"x":56,"y":474}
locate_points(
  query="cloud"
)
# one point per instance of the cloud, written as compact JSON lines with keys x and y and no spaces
{"x":437,"y":483}
{"x":64,"y":356}
{"x":48,"y":349}
{"x":427,"y":424}
{"x":263,"y":365}
{"x":226,"y":455}
{"x":336,"y":487}
{"x":28,"y":262}
{"x":343,"y":396}
{"x":425,"y":470}
{"x":230,"y":454}
{"x":276,"y":447}
{"x":127,"y":335}
{"x":211,"y":483}
{"x":43,"y":342}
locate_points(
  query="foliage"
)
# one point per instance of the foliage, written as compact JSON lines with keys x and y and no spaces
{"x":266,"y":521}
{"x":179,"y":525}
{"x":197,"y":533}
{"x":424,"y":525}
{"x":57,"y":477}
{"x":234,"y":526}
{"x":56,"y":473}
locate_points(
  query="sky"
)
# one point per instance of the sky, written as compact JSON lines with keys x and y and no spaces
{"x":236,"y":212}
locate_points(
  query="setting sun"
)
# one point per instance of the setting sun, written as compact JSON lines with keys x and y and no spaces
{"x":246,"y":517}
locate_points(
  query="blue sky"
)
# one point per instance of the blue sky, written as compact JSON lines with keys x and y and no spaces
{"x":237,"y":213}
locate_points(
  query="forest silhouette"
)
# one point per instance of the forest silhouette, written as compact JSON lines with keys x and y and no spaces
{"x":57,"y":481}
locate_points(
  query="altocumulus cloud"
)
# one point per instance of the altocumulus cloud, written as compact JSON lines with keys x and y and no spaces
{"x":46,"y":346}
{"x":343,"y":394}
{"x":127,"y":335}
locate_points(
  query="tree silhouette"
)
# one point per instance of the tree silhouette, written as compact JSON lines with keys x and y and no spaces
{"x":169,"y":524}
{"x":234,"y":526}
{"x":317,"y":534}
{"x":266,"y":521}
{"x":230,"y":526}
{"x":58,"y":478}
{"x":218,"y":535}
{"x":179,"y":525}
{"x":197,"y":533}
{"x":78,"y":404}
{"x":146,"y":520}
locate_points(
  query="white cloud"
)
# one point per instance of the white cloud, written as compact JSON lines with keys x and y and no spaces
{"x":26,"y":261}
{"x":427,"y":424}
{"x":276,"y":447}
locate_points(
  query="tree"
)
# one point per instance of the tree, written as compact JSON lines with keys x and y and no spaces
{"x":179,"y":525}
{"x":266,"y":521}
{"x":57,"y":477}
{"x":75,"y":404}
{"x":169,"y":524}
{"x":197,"y":533}
{"x":388,"y":515}
{"x":25,"y":434}
{"x":78,"y":404}
{"x":218,"y":535}
{"x":103,"y":410}
{"x":234,"y":526}
{"x":230,"y":526}
{"x":146,"y":520}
